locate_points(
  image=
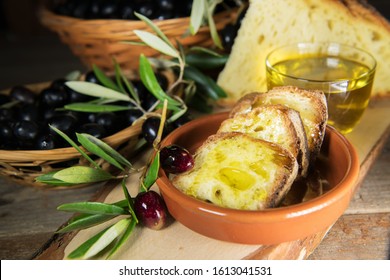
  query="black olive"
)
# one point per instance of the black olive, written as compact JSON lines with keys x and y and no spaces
{"x":6,"y":132}
{"x":109,"y":9}
{"x":109,"y":121}
{"x":130,"y":116}
{"x":53,"y":98}
{"x":166,"y":5}
{"x":81,"y":9}
{"x":126,"y":10}
{"x":146,"y":8}
{"x":4,"y":99}
{"x":228,"y":34}
{"x":7,"y":114}
{"x":23,"y":95}
{"x":28,"y":112}
{"x":59,"y":84}
{"x":93,"y":129}
{"x":91,"y":77}
{"x":75,"y":97}
{"x":26,"y":131}
{"x":45,"y":142}
{"x":182,"y":120}
{"x":63,"y":122}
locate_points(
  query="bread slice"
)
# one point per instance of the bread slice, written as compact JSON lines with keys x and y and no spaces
{"x":277,"y":124}
{"x":271,"y":23}
{"x":235,"y":170}
{"x":310,"y":104}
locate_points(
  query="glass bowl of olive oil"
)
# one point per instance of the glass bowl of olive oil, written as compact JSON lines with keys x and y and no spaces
{"x":344,"y":73}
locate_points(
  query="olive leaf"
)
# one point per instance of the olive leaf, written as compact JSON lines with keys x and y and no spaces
{"x":206,"y":60}
{"x":74,"y":145}
{"x":73,"y":76}
{"x":129,"y":200}
{"x":82,"y":175}
{"x":94,"y":108}
{"x":101,"y":149}
{"x":93,"y":208}
{"x":152,"y":173}
{"x":155,"y":28}
{"x":156,"y":43}
{"x":213,"y":29}
{"x":125,"y":236}
{"x":84,"y":220}
{"x":124,"y":83}
{"x":48,"y":179}
{"x":150,"y":81}
{"x":208,"y":85}
{"x":100,"y":241}
{"x":96,"y":90}
{"x":197,"y":15}
{"x":102,"y":77}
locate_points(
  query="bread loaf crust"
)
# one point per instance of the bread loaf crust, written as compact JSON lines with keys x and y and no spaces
{"x":269,"y":24}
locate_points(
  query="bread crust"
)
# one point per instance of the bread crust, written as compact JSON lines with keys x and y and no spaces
{"x":318,"y":111}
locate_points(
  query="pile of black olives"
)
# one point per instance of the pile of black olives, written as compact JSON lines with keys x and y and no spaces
{"x":124,"y":9}
{"x":25,"y":116}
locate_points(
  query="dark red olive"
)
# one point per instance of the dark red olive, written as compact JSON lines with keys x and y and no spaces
{"x":150,"y":209}
{"x":175,"y":159}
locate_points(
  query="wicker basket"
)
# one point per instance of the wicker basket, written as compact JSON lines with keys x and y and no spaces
{"x":99,"y":41}
{"x":23,"y":166}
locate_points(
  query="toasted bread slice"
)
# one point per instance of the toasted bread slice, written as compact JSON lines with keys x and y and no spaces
{"x":271,"y":23}
{"x":311,"y":106}
{"x":235,"y":170}
{"x":277,"y":124}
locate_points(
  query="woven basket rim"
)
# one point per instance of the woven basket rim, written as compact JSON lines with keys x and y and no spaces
{"x":50,"y":18}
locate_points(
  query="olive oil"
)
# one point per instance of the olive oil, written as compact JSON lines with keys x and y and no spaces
{"x":346,"y":83}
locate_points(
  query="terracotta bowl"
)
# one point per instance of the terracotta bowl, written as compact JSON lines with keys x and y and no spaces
{"x":270,"y":226}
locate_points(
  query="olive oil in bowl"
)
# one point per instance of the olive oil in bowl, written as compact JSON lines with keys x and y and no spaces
{"x":346,"y":81}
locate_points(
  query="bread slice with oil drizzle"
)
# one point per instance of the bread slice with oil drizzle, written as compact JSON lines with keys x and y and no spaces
{"x":277,"y":124}
{"x":235,"y":170}
{"x":310,"y":104}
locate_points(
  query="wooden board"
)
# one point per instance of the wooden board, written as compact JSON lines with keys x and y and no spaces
{"x":178,"y":242}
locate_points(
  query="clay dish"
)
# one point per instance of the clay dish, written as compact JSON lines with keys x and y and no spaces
{"x":339,"y":166}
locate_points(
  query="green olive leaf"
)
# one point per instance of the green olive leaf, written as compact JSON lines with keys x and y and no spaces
{"x":93,"y":208}
{"x":197,"y":15}
{"x":84,"y":220}
{"x":206,"y":60}
{"x":125,"y":83}
{"x":152,"y":173}
{"x":96,"y":90}
{"x":103,"y":150}
{"x":74,"y":145}
{"x":129,"y":200}
{"x":149,"y":79}
{"x":208,"y":85}
{"x":213,"y":29}
{"x":100,"y":241}
{"x":156,"y":43}
{"x":94,"y":108}
{"x":155,"y":28}
{"x":73,"y":76}
{"x":48,"y":179}
{"x":104,"y":79}
{"x":125,"y":236}
{"x":82,"y":175}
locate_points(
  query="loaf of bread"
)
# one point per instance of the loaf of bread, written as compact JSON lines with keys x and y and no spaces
{"x":276,"y":124}
{"x":310,"y":104}
{"x":272,"y":23}
{"x":237,"y":171}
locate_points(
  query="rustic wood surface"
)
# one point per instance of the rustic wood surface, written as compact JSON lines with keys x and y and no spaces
{"x":28,"y":216}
